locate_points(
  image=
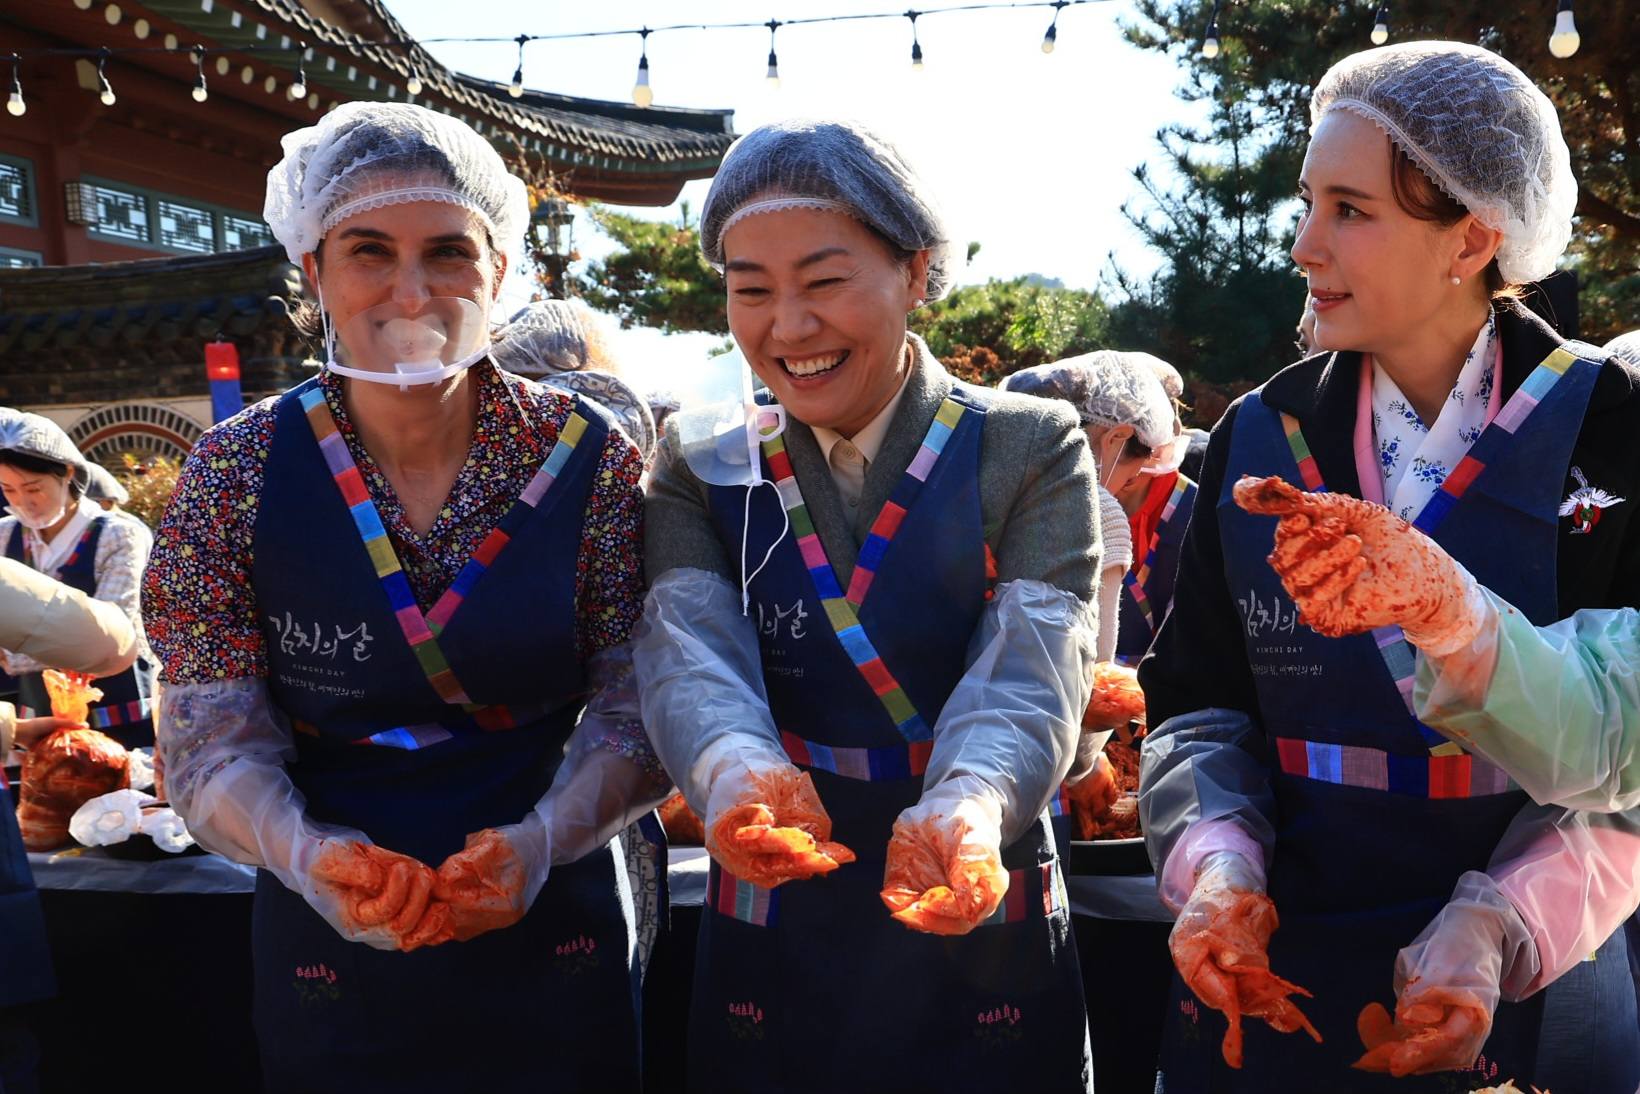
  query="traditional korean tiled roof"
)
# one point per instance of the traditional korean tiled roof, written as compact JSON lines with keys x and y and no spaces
{"x":71,"y":334}
{"x":573,"y":135}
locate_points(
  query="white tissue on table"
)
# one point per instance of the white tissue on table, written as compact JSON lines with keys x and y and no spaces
{"x":166,"y":829}
{"x":141,"y":766}
{"x":110,"y":818}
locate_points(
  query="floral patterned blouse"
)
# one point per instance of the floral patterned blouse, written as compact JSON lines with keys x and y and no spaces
{"x":197,"y":598}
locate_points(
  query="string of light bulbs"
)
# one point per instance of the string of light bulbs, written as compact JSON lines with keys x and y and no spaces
{"x":1564,"y":39}
{"x":642,"y":93}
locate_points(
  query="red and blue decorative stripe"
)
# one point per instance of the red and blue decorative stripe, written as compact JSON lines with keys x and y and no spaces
{"x":1451,"y":775}
{"x":119,"y":714}
{"x":1034,"y":892}
{"x":865,"y":764}
{"x":730,"y":896}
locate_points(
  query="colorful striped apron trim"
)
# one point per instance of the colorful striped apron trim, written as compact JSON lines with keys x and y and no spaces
{"x":1458,"y":775}
{"x":1034,"y":892}
{"x":737,"y":899}
{"x":1060,"y":804}
{"x":1139,"y":572}
{"x":408,"y":738}
{"x":870,"y":765}
{"x":421,"y":630}
{"x":1398,"y":655}
{"x":73,"y":556}
{"x":842,"y":610}
{"x":119,"y":714}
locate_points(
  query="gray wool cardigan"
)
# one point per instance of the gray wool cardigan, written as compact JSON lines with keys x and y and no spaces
{"x":1038,"y":495}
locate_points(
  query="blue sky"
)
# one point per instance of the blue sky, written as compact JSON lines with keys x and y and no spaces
{"x":1029,"y":154}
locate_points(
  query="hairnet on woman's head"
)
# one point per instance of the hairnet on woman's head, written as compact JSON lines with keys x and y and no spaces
{"x":35,"y":435}
{"x":101,"y":485}
{"x":1107,"y":388}
{"x":551,"y":336}
{"x":1482,"y":132}
{"x":827,"y":165}
{"x":365,"y":156}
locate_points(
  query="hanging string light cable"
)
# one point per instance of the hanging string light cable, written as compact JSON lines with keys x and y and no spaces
{"x":1380,"y":25}
{"x":1051,"y":39}
{"x":516,"y":88}
{"x":201,"y":92}
{"x":15,"y":106}
{"x":1210,"y":39}
{"x":1564,"y":41}
{"x":641,"y":93}
{"x":916,"y":46}
{"x":298,"y":86}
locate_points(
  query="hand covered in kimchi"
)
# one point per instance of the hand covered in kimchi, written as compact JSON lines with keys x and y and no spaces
{"x":363,"y":889}
{"x":766,"y":825}
{"x":1438,"y":1029}
{"x":1220,"y":947}
{"x":944,"y":872}
{"x":483,"y":886}
{"x":1351,"y":566}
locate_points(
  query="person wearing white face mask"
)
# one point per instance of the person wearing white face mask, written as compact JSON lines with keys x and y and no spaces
{"x":51,"y":526}
{"x":1424,"y":900}
{"x":383,"y":600}
{"x":1130,"y":423}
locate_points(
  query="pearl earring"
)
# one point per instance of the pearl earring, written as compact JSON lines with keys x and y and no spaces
{"x":1457,"y":281}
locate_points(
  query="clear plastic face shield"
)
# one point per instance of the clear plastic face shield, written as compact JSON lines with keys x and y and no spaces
{"x":408,"y":344}
{"x":721,"y":430}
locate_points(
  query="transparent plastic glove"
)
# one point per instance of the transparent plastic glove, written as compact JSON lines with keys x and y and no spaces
{"x":1557,"y":707}
{"x":488,"y":884}
{"x":1092,"y":797}
{"x":1351,"y":566}
{"x":765,"y":824}
{"x":166,"y":829}
{"x":1220,"y":944}
{"x":224,"y":749}
{"x":1447,"y":984}
{"x":1014,"y":719}
{"x":944,"y":872}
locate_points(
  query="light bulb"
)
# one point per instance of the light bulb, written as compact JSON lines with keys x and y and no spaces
{"x":516,"y":88}
{"x":200,"y":92}
{"x":1380,"y":33}
{"x":413,"y":84}
{"x":1564,"y":41}
{"x":15,"y":106}
{"x":641,"y":93}
{"x":773,"y":75}
{"x":107,"y":95}
{"x":1210,"y":47}
{"x":1050,"y":38}
{"x":298,"y":90}
{"x":916,"y":57}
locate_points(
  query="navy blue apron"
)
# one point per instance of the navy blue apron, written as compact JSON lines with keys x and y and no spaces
{"x":549,"y":1003}
{"x":25,"y":955}
{"x":1147,"y":587}
{"x":811,"y":986}
{"x":124,"y":710}
{"x":1372,"y":830}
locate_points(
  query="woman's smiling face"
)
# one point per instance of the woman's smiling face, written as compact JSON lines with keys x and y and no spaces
{"x":817,"y":303}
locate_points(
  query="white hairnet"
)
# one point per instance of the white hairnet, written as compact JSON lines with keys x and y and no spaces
{"x":366,"y":155}
{"x":1626,"y":346}
{"x":629,"y":409}
{"x":827,"y":165}
{"x":1172,"y":382}
{"x":103,"y":486}
{"x":36,"y":435}
{"x":552,"y":336}
{"x":1482,"y":132}
{"x":1108,"y":388}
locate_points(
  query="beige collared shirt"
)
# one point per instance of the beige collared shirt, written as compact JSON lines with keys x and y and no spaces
{"x":850,"y":457}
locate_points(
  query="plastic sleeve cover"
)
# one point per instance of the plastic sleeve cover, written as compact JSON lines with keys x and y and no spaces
{"x":610,"y":775}
{"x":700,"y":682}
{"x":1477,"y":942}
{"x":1574,"y":877}
{"x":1203,"y":788}
{"x":1014,"y":718}
{"x":1557,"y":707}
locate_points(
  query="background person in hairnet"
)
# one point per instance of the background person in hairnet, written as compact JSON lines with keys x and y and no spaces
{"x":1130,"y":423}
{"x":54,"y":528}
{"x":383,"y":600}
{"x":563,"y":343}
{"x":1421,"y":896}
{"x":898,"y":695}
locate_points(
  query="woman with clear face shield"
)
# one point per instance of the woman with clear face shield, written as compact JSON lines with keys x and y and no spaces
{"x":382,"y":601}
{"x":1131,"y":427}
{"x":867,"y":671}
{"x":51,"y":526}
{"x":1442,"y":920}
